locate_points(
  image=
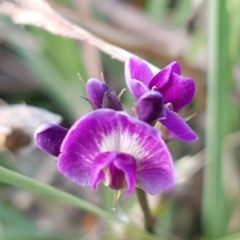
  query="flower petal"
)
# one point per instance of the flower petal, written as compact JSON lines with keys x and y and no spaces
{"x":81,"y":146}
{"x":179,"y":91}
{"x":155,"y":171}
{"x":106,"y":130}
{"x":162,"y":78}
{"x":101,"y":162}
{"x":138,"y":70}
{"x":95,"y":91}
{"x":115,"y":169}
{"x":157,"y":179}
{"x":127,"y":164}
{"x":49,"y":138}
{"x":177,"y":126}
{"x":149,"y":106}
{"x":138,"y":88}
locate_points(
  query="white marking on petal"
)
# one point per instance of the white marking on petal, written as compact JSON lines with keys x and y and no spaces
{"x":124,"y":142}
{"x":107,"y":177}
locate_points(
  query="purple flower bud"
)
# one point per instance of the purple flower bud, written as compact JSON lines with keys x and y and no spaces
{"x":101,"y":96}
{"x":110,"y":100}
{"x":149,"y":106}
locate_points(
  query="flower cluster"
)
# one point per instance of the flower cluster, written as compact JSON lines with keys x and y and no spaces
{"x":120,"y":150}
{"x":161,"y":96}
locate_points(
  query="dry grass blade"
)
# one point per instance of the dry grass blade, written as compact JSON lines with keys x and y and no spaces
{"x":39,"y":13}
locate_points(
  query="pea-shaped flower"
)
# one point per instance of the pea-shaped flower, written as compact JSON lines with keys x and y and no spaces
{"x":174,"y":93}
{"x":110,"y":147}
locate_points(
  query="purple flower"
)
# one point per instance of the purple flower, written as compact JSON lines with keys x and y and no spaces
{"x":101,"y":96}
{"x":177,"y":92}
{"x":113,"y":148}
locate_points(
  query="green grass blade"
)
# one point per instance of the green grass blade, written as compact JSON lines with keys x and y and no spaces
{"x":231,"y":237}
{"x":221,"y":120}
{"x":42,"y":189}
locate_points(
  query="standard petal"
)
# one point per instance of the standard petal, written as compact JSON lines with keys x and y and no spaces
{"x":179,"y":91}
{"x":177,"y":126}
{"x":127,"y":164}
{"x":149,"y":106}
{"x":157,"y":179}
{"x":95,"y":91}
{"x":138,"y":70}
{"x":162,"y":78}
{"x":49,"y":138}
{"x":82,"y":145}
{"x":155,"y":171}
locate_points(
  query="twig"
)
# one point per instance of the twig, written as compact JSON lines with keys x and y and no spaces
{"x":39,"y":13}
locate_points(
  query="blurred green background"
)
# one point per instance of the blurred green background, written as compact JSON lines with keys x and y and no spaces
{"x":48,"y":71}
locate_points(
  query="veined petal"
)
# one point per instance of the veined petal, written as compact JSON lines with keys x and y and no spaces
{"x":106,"y":130}
{"x":149,"y":106}
{"x":162,"y":78}
{"x":177,"y":126}
{"x":179,"y":91}
{"x":95,"y":91}
{"x":138,"y":70}
{"x":49,"y":138}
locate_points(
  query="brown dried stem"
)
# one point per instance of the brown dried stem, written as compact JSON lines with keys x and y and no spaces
{"x":39,"y":13}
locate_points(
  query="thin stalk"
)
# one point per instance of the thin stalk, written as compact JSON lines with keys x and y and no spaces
{"x":148,"y":218}
{"x":221,"y":120}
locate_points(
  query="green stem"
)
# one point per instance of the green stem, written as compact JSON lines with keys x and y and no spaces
{"x":148,"y":218}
